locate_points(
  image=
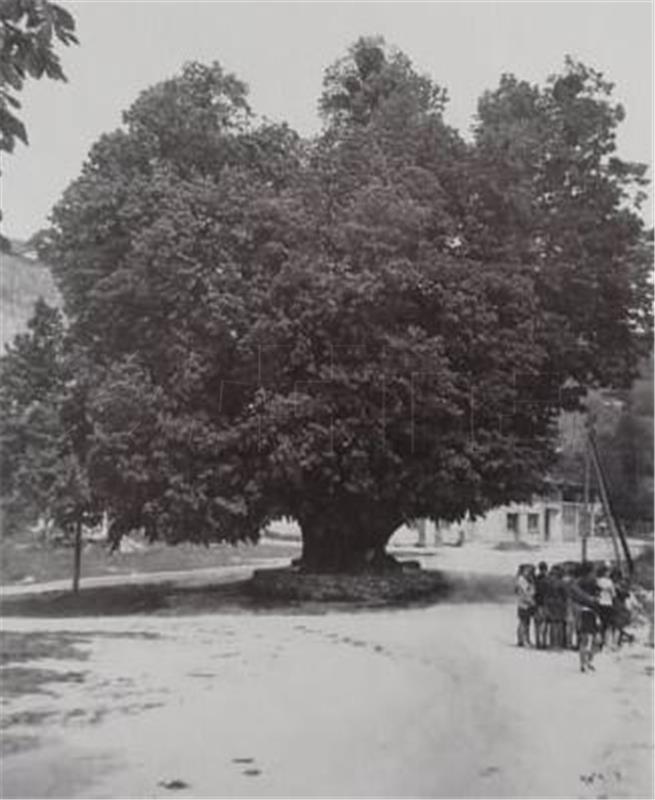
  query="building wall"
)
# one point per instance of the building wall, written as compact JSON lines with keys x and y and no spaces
{"x":540,"y":522}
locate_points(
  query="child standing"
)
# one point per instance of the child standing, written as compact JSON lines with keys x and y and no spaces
{"x":540,"y":620}
{"x":583,"y":594}
{"x":555,"y":603}
{"x":606,"y":598}
{"x":524,"y":589}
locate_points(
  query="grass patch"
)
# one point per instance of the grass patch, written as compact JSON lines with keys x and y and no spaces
{"x":25,"y":558}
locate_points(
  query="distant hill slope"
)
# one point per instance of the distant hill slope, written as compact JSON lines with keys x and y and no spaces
{"x":22,"y":281}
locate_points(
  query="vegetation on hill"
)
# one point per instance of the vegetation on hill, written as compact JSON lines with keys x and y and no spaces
{"x":623,"y":422}
{"x":22,"y":282}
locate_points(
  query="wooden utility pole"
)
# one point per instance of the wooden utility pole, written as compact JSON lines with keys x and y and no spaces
{"x":586,"y":528}
{"x":615,"y":527}
{"x":421,"y":525}
{"x":77,"y":562}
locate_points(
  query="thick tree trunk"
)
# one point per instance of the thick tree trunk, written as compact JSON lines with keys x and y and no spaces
{"x":347,"y":540}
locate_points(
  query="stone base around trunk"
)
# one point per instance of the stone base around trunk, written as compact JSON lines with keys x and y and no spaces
{"x":295,"y":584}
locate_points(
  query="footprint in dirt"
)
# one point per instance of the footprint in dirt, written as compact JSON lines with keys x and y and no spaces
{"x":250,"y":772}
{"x":489,"y":771}
{"x":174,"y":785}
{"x":593,"y":777}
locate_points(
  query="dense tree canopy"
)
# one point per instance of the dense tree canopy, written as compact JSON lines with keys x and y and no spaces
{"x":358,"y":330}
{"x":558,"y":197}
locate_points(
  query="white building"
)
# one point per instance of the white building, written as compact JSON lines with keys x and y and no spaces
{"x":545,"y":520}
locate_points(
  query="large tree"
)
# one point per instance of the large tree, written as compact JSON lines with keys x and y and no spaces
{"x":356,"y":331}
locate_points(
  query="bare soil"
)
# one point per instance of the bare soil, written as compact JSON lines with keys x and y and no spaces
{"x":194,"y":691}
{"x":417,"y":702}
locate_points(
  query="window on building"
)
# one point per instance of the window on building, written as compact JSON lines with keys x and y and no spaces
{"x":513,"y":523}
{"x":533,"y":523}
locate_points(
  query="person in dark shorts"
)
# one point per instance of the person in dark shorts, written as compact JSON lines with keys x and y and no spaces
{"x":540,"y":620}
{"x":583,"y":593}
{"x":555,"y":603}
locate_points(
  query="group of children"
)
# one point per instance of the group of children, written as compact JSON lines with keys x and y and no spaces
{"x":572,"y":606}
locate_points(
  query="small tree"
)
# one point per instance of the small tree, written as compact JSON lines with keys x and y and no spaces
{"x":32,"y":381}
{"x":43,"y":432}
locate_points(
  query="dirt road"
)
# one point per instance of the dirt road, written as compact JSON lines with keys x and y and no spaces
{"x":434,"y":702}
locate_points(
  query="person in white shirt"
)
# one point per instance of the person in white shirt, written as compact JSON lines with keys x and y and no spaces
{"x":524,"y":589}
{"x":606,"y":598}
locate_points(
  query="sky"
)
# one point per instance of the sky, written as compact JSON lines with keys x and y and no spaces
{"x":281,"y":50}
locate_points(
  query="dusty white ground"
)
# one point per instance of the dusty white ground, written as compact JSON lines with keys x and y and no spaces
{"x":433,"y":702}
{"x":482,"y":557}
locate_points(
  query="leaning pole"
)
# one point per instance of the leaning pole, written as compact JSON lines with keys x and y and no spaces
{"x":616,"y":529}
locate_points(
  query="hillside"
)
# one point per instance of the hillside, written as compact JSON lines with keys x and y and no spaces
{"x":22,"y":281}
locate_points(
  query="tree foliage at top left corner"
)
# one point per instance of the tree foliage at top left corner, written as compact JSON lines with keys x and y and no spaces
{"x":29,"y":32}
